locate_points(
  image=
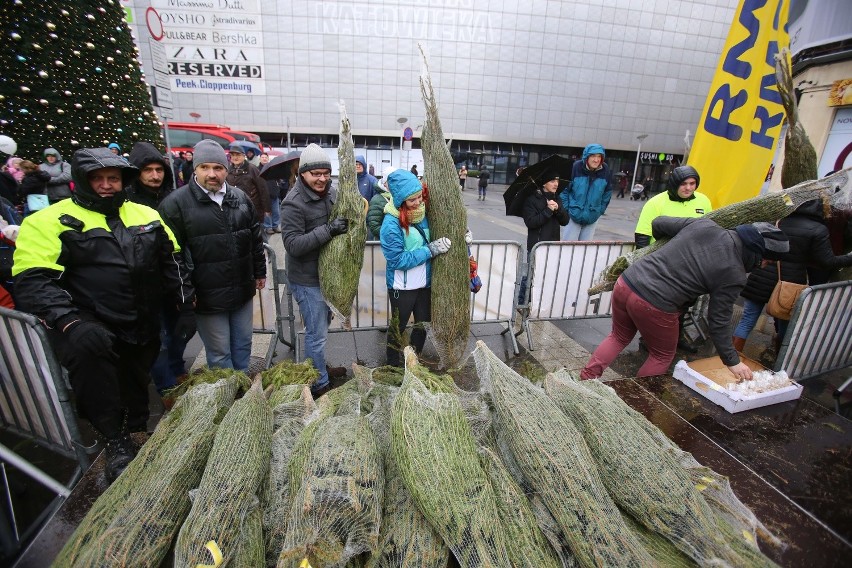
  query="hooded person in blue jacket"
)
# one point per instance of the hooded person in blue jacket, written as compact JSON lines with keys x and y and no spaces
{"x":366,"y":183}
{"x":588,"y":195}
{"x":405,"y":243}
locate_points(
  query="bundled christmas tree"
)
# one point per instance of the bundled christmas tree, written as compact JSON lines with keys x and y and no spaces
{"x":71,"y":78}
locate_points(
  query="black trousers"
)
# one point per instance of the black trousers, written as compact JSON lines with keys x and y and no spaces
{"x":108,"y":387}
{"x":404,"y":303}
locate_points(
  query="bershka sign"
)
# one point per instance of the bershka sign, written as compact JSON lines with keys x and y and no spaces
{"x":213,"y":46}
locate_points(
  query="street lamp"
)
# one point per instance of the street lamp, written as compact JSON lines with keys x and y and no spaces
{"x":636,"y":165}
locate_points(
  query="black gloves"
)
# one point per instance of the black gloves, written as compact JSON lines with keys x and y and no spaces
{"x":338,"y":226}
{"x":90,"y":338}
{"x":185,"y":325}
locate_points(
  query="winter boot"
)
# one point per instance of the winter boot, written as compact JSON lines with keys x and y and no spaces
{"x":739,"y":343}
{"x":118,"y":453}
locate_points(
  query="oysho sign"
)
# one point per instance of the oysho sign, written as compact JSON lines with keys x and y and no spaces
{"x":213,"y":46}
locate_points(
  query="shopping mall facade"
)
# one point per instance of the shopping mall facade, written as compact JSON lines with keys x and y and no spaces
{"x":515,"y":81}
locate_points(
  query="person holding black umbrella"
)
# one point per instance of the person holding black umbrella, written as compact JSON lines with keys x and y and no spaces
{"x":543,"y":215}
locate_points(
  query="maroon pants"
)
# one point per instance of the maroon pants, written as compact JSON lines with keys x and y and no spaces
{"x":630,"y":313}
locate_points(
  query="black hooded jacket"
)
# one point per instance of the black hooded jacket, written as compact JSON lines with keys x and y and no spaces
{"x":809,"y":245}
{"x":93,"y":257}
{"x":224,"y":244}
{"x":142,"y":154}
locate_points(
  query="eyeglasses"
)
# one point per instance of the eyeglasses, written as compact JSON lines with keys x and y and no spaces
{"x":320,"y":174}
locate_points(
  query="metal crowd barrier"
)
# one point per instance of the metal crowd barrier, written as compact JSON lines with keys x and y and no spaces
{"x":819,"y":337}
{"x":559,"y":275}
{"x":35,"y":404}
{"x":499,"y":265}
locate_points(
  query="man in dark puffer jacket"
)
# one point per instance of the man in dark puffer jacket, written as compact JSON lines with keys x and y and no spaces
{"x":809,"y":245}
{"x":216,"y":224}
{"x":246,"y":176}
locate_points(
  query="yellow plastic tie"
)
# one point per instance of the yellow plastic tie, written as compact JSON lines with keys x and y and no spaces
{"x":215,"y":552}
{"x":701,"y":487}
{"x":305,"y":564}
{"x":748,"y":536}
{"x":706,"y":479}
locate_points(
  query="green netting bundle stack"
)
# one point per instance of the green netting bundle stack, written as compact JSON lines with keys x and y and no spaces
{"x":227,"y":493}
{"x":642,"y":479}
{"x":526,"y":544}
{"x":739,"y":523}
{"x":447,"y":218}
{"x":406,"y":538}
{"x":293,"y":409}
{"x":336,"y":483}
{"x":135,"y":520}
{"x":553,"y":458}
{"x":341,"y":258}
{"x":436,"y":454}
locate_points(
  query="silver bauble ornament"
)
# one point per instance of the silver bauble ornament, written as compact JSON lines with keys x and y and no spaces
{"x":78,"y":106}
{"x":50,"y":26}
{"x":101,"y":117}
{"x":86,"y":129}
{"x":43,"y":101}
{"x":25,"y":89}
{"x":105,"y":97}
{"x":43,"y":74}
{"x":64,"y":13}
{"x":76,"y":52}
{"x":67,"y":93}
{"x":90,"y":45}
{"x":50,"y":127}
{"x":58,"y":63}
{"x":15,"y":36}
{"x":110,"y":59}
{"x":60,"y":111}
{"x":37,"y":47}
{"x":90,"y":17}
{"x":75,"y":143}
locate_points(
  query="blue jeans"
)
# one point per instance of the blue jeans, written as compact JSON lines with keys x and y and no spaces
{"x":317,"y":316}
{"x":169,"y":364}
{"x":272,"y":221}
{"x":577,"y":232}
{"x":227,"y":337}
{"x":751,"y":313}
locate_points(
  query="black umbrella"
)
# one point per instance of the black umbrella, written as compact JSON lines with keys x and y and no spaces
{"x":531,"y":178}
{"x":279,"y":166}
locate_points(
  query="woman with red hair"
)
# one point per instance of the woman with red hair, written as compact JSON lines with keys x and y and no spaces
{"x":408,"y":251}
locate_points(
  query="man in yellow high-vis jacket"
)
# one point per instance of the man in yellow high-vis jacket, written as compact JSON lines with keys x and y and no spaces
{"x":95,"y":269}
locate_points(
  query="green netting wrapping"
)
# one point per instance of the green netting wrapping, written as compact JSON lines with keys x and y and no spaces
{"x":251,"y":551}
{"x":134,"y":521}
{"x":769,"y":207}
{"x":238,"y":462}
{"x":290,"y":415}
{"x":715,"y":488}
{"x":447,"y":216}
{"x":555,"y":460}
{"x":665,"y":553}
{"x":642,"y":479}
{"x":336,"y":483}
{"x":341,"y":258}
{"x":436,"y":454}
{"x":525,"y":542}
{"x":406,"y":539}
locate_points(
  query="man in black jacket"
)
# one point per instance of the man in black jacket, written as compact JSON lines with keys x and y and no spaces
{"x":153,"y":185}
{"x":96,"y":269}
{"x":216,"y":224}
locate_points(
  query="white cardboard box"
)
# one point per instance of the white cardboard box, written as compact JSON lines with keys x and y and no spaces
{"x":709,"y":378}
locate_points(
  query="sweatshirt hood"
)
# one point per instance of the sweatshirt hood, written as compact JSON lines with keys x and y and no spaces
{"x":90,"y":159}
{"x":144,"y":153}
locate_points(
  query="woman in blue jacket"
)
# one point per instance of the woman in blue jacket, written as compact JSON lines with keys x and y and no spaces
{"x":588,"y":195}
{"x":408,"y":252}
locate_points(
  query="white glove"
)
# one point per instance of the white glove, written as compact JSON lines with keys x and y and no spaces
{"x":439,"y":246}
{"x":11,"y":232}
{"x":468,"y":236}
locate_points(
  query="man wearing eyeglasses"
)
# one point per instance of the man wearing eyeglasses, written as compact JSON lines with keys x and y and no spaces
{"x":216,"y":223}
{"x":305,"y":228}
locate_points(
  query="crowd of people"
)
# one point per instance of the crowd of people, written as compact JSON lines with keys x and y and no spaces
{"x":124,"y":259}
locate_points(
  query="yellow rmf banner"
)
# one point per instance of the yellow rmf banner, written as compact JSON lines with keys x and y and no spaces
{"x":739,"y":126}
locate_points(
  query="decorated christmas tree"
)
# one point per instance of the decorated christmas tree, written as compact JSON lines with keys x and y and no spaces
{"x":70,"y":78}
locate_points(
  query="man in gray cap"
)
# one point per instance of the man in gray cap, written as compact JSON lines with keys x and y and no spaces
{"x":305,"y":228}
{"x":96,"y":269}
{"x":701,"y":258}
{"x":216,"y":224}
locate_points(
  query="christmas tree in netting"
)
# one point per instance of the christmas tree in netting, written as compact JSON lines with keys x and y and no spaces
{"x":71,"y":78}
